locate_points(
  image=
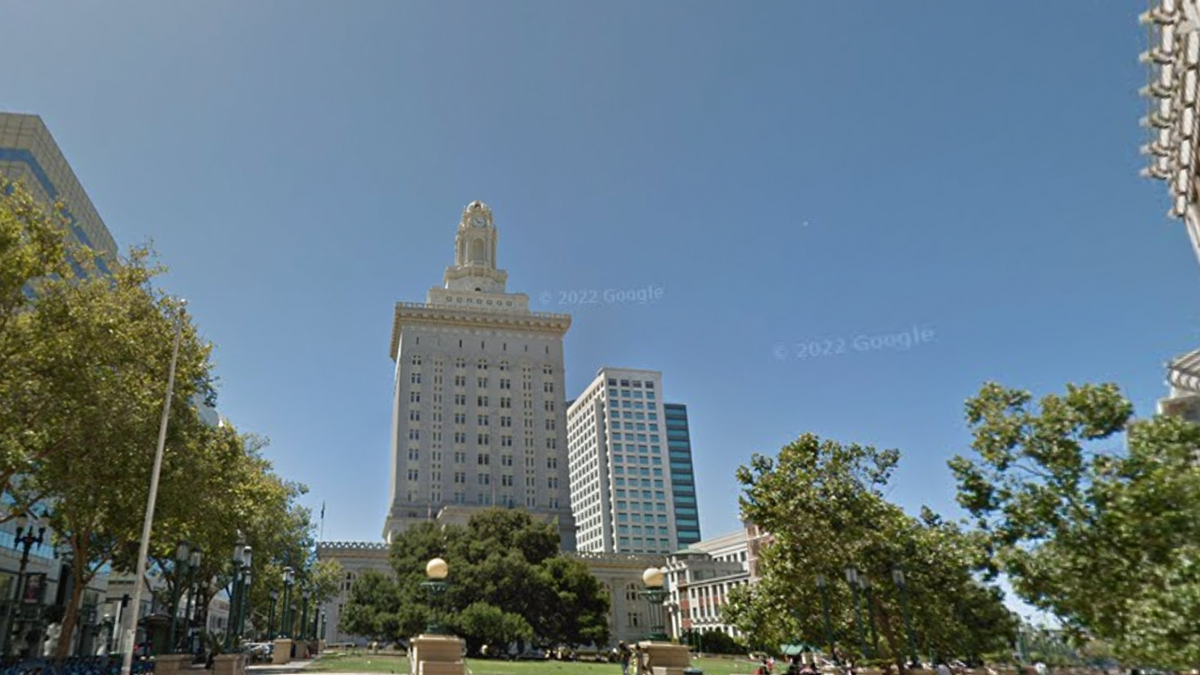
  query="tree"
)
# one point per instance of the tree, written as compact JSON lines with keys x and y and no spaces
{"x":105,"y":344}
{"x":711,"y":641}
{"x":34,"y":249}
{"x":483,"y":624}
{"x":503,"y":564}
{"x":84,"y":359}
{"x":1063,"y":515}
{"x":823,"y":504}
{"x":581,"y":602}
{"x":373,"y":609}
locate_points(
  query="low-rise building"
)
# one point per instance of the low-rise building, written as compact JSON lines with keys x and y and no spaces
{"x":699,"y":579}
{"x":621,"y":576}
{"x":355,"y":557}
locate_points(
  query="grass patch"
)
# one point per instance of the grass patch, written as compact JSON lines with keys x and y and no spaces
{"x":336,"y":662}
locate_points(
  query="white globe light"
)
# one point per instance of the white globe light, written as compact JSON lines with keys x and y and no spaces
{"x":437,"y":569}
{"x":653,"y":577}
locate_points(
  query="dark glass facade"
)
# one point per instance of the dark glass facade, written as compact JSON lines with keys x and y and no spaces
{"x":683,"y":478}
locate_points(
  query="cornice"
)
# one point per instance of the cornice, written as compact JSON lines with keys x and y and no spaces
{"x":462,"y":317}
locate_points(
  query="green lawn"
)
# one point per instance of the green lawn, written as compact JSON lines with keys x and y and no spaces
{"x":389,"y":663}
{"x":337,"y":662}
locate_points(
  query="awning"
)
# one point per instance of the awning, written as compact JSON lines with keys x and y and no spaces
{"x":796,"y":649}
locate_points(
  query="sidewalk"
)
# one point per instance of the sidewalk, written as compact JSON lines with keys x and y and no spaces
{"x":270,"y":669}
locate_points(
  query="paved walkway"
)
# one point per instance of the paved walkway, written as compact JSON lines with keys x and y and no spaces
{"x":270,"y":669}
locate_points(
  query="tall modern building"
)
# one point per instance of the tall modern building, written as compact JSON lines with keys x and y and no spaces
{"x":29,"y":154}
{"x":683,"y":476}
{"x":478,"y":417}
{"x":621,"y":489}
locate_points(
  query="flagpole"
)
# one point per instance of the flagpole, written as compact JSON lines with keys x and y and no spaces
{"x":144,"y":551}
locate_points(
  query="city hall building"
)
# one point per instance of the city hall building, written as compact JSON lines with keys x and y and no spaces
{"x":478,"y":412}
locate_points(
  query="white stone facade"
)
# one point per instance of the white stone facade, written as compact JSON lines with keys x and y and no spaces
{"x":621,"y":577}
{"x":355,"y":558}
{"x":621,"y":493}
{"x":699,"y":580}
{"x":478,"y":412}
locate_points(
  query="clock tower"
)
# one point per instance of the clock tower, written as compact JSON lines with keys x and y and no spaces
{"x":475,"y":253}
{"x":478,"y":413}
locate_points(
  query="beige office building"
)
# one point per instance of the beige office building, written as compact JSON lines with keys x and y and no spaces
{"x":29,"y":154}
{"x":621,"y":489}
{"x":478,"y":418}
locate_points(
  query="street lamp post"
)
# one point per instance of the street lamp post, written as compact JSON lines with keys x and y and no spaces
{"x":244,"y":611}
{"x":193,"y":588}
{"x":316,"y":633}
{"x":25,"y":539}
{"x":865,"y":583}
{"x":285,"y":629}
{"x":304,"y":614}
{"x":902,"y":586}
{"x":436,"y":571}
{"x":654,"y":593}
{"x":182,"y":553}
{"x":130,"y":635}
{"x":271,"y":616}
{"x":242,"y":556}
{"x":852,"y":579}
{"x":824,"y":586}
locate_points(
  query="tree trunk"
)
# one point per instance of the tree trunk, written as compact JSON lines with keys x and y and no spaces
{"x":71,"y":615}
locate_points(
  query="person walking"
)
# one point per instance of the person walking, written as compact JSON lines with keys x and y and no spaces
{"x":624,"y":655}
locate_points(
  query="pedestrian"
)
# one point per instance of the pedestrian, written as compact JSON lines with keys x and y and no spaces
{"x":624,"y":654}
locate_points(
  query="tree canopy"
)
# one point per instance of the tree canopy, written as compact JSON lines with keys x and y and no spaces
{"x":823,"y":504}
{"x":508,"y":583}
{"x":1065,"y":512}
{"x":84,"y":360}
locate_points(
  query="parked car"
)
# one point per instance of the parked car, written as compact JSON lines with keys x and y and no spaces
{"x":259,"y":651}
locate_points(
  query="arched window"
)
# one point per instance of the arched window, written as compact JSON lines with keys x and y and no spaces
{"x":478,"y":252}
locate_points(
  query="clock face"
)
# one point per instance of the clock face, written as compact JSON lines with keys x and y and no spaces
{"x":479,"y":221}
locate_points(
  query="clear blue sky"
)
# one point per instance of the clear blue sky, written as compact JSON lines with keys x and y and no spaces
{"x":784,"y":172}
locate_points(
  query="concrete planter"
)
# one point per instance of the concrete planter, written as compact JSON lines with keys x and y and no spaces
{"x":229,"y":664}
{"x":282,"y":653}
{"x":170,"y":664}
{"x":436,"y":655}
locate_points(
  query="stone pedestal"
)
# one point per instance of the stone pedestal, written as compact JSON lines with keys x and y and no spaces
{"x":283,"y":652}
{"x":436,"y":655}
{"x":228,"y":664}
{"x":171,"y":664}
{"x":665,"y":658}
